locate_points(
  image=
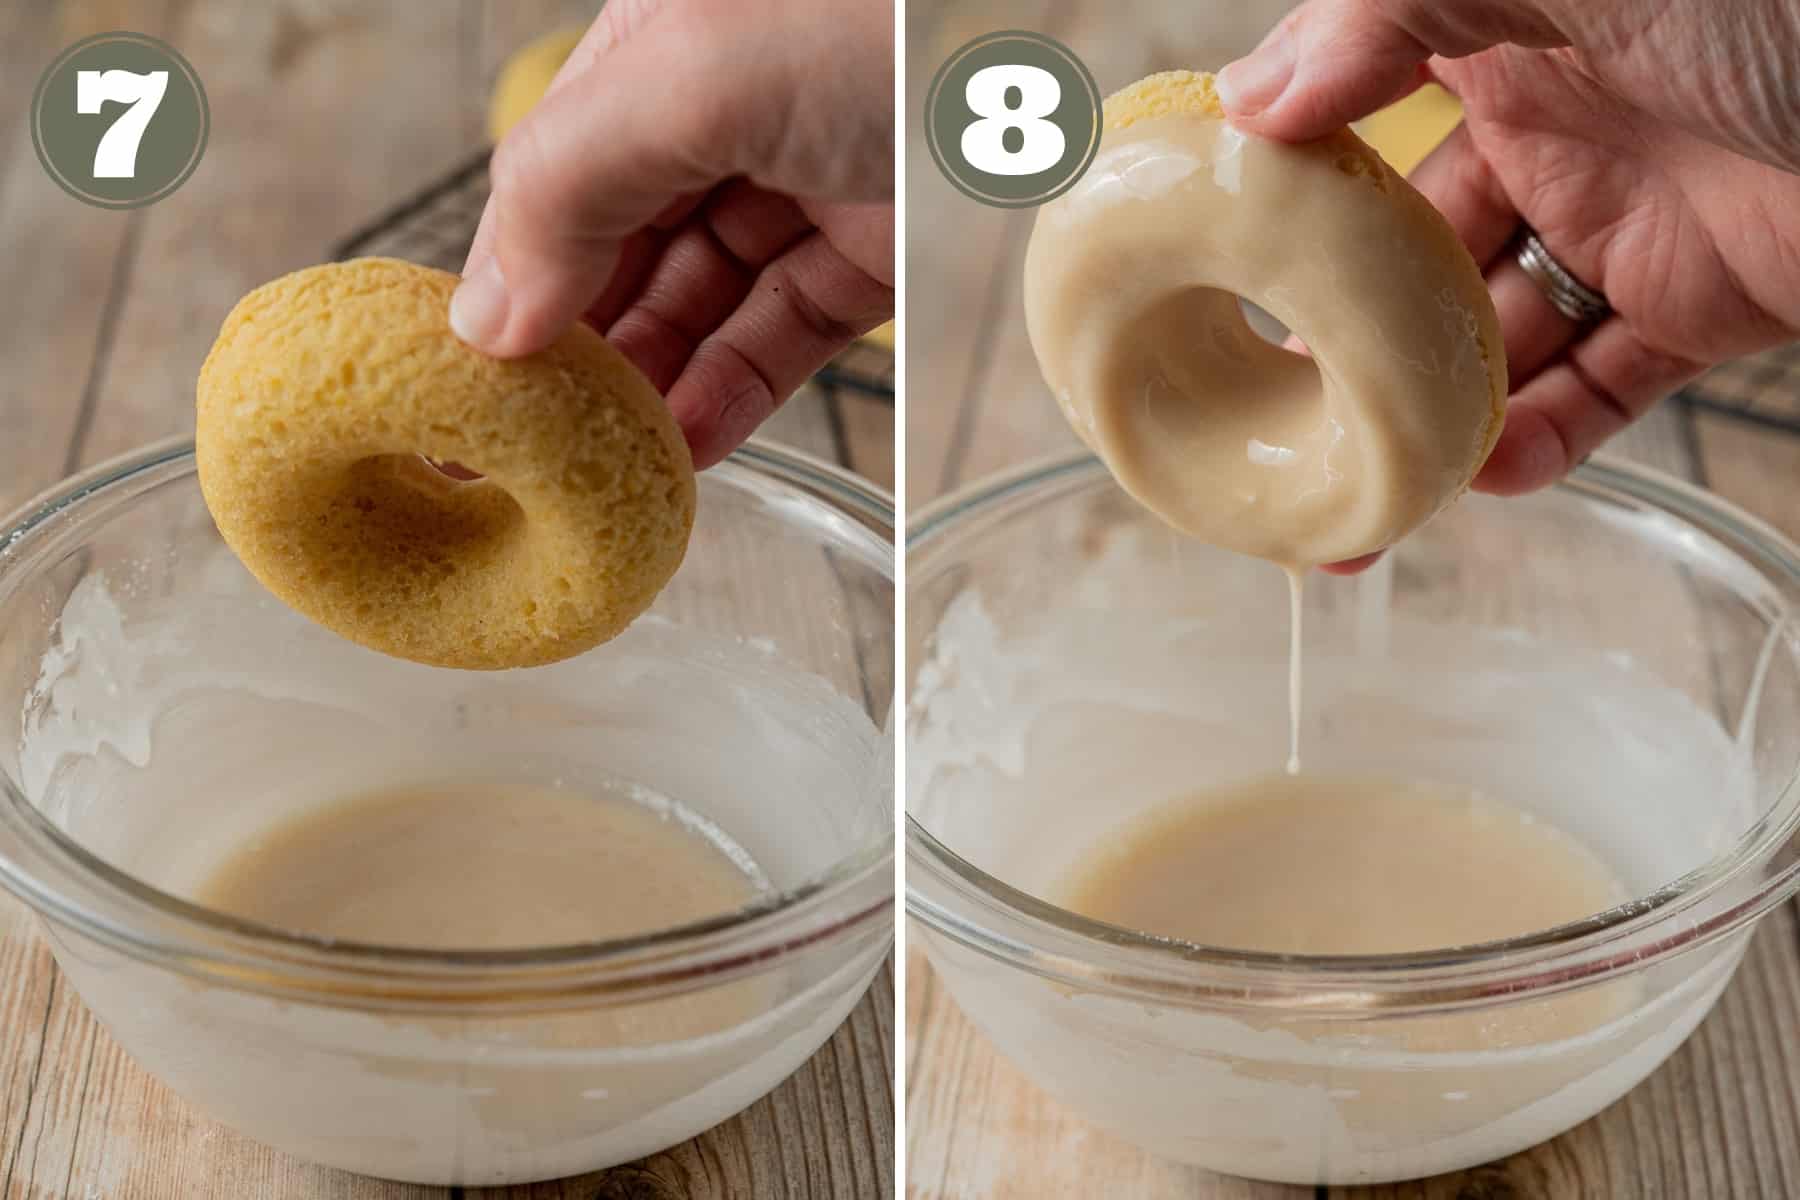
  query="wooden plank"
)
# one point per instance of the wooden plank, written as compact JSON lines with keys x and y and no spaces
{"x":1752,"y":466}
{"x":501,"y":29}
{"x":28,"y":1007}
{"x":840,"y":425}
{"x":865,"y":426}
{"x":295,"y":158}
{"x":804,"y":422}
{"x":977,"y":1129}
{"x":73,"y":256}
{"x":961,"y":257}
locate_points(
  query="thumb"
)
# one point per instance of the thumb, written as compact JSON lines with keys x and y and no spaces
{"x":598,"y":159}
{"x":1330,"y":62}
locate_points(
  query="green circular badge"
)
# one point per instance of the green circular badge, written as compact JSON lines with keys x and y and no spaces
{"x":1013,"y":119}
{"x":119,"y":120}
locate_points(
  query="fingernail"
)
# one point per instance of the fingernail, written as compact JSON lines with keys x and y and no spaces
{"x":478,"y":306}
{"x":1254,"y":83}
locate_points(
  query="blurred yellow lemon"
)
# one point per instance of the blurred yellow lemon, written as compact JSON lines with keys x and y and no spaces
{"x":1407,"y":130}
{"x":525,"y":78}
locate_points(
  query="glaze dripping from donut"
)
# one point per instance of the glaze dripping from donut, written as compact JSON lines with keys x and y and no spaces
{"x":1133,"y":281}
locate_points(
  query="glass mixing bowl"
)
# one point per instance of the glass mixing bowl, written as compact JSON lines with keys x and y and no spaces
{"x":1615,"y":655}
{"x":161,"y":708}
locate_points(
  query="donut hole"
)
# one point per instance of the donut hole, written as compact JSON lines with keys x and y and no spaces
{"x":467,"y":505}
{"x":452,"y":470}
{"x":1217,"y":337}
{"x":1269,"y":328}
{"x":1208,"y":388}
{"x":398,"y":529}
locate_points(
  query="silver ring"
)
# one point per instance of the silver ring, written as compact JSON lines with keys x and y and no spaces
{"x":1571,"y":297}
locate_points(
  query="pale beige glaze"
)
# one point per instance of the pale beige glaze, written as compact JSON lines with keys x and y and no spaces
{"x":1329,"y":865}
{"x":1132,"y":280}
{"x":489,"y":868}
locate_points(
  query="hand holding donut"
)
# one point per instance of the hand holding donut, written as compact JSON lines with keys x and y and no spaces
{"x":709,"y":183}
{"x":1652,"y":148}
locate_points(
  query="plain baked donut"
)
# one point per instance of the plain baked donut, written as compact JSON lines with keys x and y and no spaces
{"x":1132,"y":280}
{"x":314,"y":407}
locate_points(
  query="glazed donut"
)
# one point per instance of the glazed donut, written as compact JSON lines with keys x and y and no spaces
{"x":1132,"y":286}
{"x":314,"y":408}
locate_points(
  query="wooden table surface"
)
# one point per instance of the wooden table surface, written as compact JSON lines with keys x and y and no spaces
{"x":1720,"y":1119}
{"x":324,"y":113}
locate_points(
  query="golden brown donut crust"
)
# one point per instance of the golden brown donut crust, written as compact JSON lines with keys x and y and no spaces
{"x":314,"y":406}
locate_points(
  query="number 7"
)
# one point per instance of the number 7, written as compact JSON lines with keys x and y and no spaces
{"x":116,"y":155}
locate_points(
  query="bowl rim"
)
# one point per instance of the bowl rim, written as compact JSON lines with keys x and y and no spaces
{"x":68,"y":885}
{"x":957,"y":900}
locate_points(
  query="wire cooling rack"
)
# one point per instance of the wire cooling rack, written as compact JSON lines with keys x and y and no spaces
{"x":435,"y":225}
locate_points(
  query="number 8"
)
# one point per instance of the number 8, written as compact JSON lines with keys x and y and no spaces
{"x":983,"y":142}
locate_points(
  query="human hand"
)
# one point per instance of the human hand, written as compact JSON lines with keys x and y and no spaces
{"x":1653,"y":148}
{"x":709,"y":183}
